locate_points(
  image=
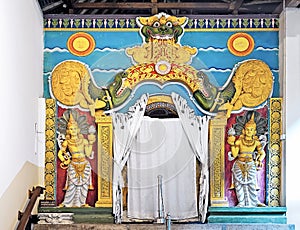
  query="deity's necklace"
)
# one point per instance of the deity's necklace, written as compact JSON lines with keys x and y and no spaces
{"x":248,"y":142}
{"x":76,"y":141}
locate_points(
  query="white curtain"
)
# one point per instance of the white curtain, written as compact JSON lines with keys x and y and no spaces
{"x":125,"y":127}
{"x":161,"y":148}
{"x":196,"y":129}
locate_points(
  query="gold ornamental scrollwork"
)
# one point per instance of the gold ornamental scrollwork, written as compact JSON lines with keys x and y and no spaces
{"x":69,"y":84}
{"x":50,"y":149}
{"x":217,"y":161}
{"x":275,"y":152}
{"x":253,"y":82}
{"x":105,"y":157}
{"x":167,"y":50}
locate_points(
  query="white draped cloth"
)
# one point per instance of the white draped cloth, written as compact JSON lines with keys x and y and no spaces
{"x":196,"y":129}
{"x":125,"y":127}
{"x":161,"y":148}
{"x":181,"y":164}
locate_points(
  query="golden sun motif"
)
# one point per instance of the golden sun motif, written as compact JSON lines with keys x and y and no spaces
{"x":81,"y":44}
{"x":240,"y":44}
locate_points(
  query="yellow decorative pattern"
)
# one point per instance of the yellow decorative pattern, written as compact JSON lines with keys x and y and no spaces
{"x":178,"y":73}
{"x":69,"y":84}
{"x":158,"y":50}
{"x":217,"y":161}
{"x":253,"y":81}
{"x":275,"y":153}
{"x":162,"y":60}
{"x":160,"y":98}
{"x":150,"y":20}
{"x":49,"y":174}
{"x":104,"y":161}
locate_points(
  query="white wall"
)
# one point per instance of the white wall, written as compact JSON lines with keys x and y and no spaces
{"x":290,"y":40}
{"x":21,"y":69}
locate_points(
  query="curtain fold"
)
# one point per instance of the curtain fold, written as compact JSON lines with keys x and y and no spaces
{"x":125,"y":127}
{"x":196,"y":129}
{"x":162,"y":148}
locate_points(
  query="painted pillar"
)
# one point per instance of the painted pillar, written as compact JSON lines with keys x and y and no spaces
{"x":50,"y":152}
{"x":217,"y":161}
{"x":105,"y":158}
{"x":275,"y":154}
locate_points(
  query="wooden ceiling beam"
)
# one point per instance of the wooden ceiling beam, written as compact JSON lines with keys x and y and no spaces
{"x":150,"y":5}
{"x":278,"y":9}
{"x":85,"y":10}
{"x":154,"y":6}
{"x":262,"y":2}
{"x":154,"y":10}
{"x":292,"y":3}
{"x":52,"y":6}
{"x":235,"y":5}
{"x":70,"y":6}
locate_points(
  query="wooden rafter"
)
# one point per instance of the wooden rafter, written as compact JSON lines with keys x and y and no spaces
{"x":152,"y":5}
{"x":292,"y":3}
{"x":235,"y":5}
{"x":154,"y":9}
{"x":52,"y":6}
{"x":278,"y":9}
{"x":175,"y":6}
{"x":263,"y":2}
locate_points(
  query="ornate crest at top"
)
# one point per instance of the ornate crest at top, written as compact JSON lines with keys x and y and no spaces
{"x":161,"y":34}
{"x":161,"y":27}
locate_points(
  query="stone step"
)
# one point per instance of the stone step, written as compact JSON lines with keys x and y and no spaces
{"x":247,"y":215}
{"x":163,"y":227}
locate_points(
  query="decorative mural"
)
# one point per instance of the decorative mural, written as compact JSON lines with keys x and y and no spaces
{"x":225,"y":68}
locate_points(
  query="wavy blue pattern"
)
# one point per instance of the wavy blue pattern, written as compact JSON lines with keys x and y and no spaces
{"x":109,"y":56}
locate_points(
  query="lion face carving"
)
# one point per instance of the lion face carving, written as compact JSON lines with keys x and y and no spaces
{"x":161,"y":27}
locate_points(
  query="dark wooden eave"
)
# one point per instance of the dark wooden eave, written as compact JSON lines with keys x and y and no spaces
{"x":178,"y":7}
{"x":154,"y":6}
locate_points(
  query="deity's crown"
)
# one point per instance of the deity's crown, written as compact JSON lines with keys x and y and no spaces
{"x":72,"y":121}
{"x":251,"y":122}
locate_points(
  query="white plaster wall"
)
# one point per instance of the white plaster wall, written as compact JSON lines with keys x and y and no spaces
{"x":291,"y":70}
{"x":21,"y":84}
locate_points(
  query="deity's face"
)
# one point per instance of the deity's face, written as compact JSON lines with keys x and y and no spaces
{"x":73,"y":130}
{"x":69,"y":82}
{"x":250,"y":130}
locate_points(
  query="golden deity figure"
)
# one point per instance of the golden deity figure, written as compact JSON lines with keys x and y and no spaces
{"x":73,"y":154}
{"x":248,"y":152}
